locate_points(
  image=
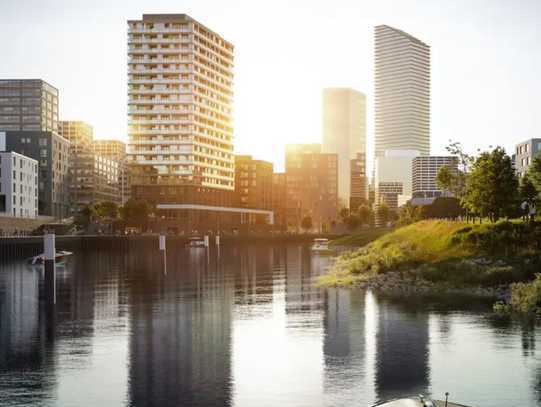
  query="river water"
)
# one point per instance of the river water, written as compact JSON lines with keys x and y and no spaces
{"x":246,"y":327}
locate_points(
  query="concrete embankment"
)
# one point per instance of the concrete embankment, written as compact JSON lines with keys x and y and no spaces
{"x":12,"y":248}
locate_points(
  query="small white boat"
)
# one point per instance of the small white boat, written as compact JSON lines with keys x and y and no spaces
{"x":321,"y":246}
{"x":60,"y":257}
{"x":419,"y":401}
{"x":195,"y":242}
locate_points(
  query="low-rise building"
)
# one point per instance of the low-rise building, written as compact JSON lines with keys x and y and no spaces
{"x":93,"y":178}
{"x":253,"y":183}
{"x":312,"y":186}
{"x":525,"y":153}
{"x":52,"y":153}
{"x":279,"y":200}
{"x":18,"y":186}
{"x":424,"y":173}
{"x":116,"y":150}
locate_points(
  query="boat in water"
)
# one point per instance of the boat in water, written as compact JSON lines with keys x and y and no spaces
{"x":419,"y":401}
{"x":195,"y":242}
{"x":321,"y":247}
{"x":60,"y":257}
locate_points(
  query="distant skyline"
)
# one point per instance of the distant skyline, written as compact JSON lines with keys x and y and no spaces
{"x":485,"y":62}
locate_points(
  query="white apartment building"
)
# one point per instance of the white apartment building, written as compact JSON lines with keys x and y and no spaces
{"x":180,"y":107}
{"x":402,"y":94}
{"x":18,"y":185}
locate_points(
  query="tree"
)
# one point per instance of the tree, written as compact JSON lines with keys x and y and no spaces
{"x":534,"y":172}
{"x":410,"y":214}
{"x":352,"y":222}
{"x":86,"y":216}
{"x":492,"y":186}
{"x":383,"y":213}
{"x":136,"y":212}
{"x":344,"y":214}
{"x":306,"y":223}
{"x":365,"y":214}
{"x":449,"y":179}
{"x":107,"y":210}
{"x":527,"y":189}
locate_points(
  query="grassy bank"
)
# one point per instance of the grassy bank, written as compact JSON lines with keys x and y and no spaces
{"x":358,"y":239}
{"x":444,"y":254}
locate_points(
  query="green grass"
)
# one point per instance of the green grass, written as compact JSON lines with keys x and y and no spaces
{"x":442,"y":252}
{"x":361,"y":238}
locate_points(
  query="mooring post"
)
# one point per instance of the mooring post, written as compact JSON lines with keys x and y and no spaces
{"x":49,"y":254}
{"x":164,"y":253}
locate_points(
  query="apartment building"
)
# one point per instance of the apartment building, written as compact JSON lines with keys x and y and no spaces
{"x":93,"y":178}
{"x":312,"y":186}
{"x":253,"y":183}
{"x":358,"y":182}
{"x":51,"y":151}
{"x":28,"y":105}
{"x":180,"y":101}
{"x":116,"y":150}
{"x":18,"y":186}
{"x":525,"y":153}
{"x":279,"y":200}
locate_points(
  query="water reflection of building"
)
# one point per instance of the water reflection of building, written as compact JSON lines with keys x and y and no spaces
{"x":344,"y":346}
{"x":402,"y":353}
{"x":180,"y":334}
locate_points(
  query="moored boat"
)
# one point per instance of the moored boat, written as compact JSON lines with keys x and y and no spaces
{"x":60,"y":257}
{"x":419,"y":401}
{"x":321,"y":246}
{"x":195,"y":242}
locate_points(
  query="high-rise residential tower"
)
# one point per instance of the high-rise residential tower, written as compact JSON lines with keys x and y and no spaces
{"x":402,"y":94}
{"x":180,"y":96}
{"x":344,"y":133}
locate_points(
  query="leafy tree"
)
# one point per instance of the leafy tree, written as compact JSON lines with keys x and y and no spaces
{"x":365,"y":215}
{"x":534,"y":172}
{"x":86,"y":216}
{"x":527,"y":189}
{"x":136,"y":212}
{"x":492,"y":186}
{"x":383,"y":213}
{"x":448,"y":179}
{"x":306,"y":223}
{"x":344,"y":214}
{"x":410,"y":214}
{"x":107,"y":210}
{"x":352,"y":222}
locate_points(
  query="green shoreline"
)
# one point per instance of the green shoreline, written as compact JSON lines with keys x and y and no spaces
{"x":443,"y":256}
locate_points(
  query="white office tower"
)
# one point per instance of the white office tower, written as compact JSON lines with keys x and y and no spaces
{"x":180,"y":100}
{"x":402,"y":94}
{"x":344,"y":133}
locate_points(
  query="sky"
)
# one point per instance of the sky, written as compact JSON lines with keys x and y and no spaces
{"x":485,"y":72}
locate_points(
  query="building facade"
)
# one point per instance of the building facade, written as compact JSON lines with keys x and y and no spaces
{"x":180,"y":101}
{"x":18,"y":186}
{"x":358,"y":181}
{"x":312,"y":186}
{"x":52,"y":153}
{"x":93,"y":178}
{"x":116,"y":150}
{"x":402,"y":92}
{"x":344,"y":133}
{"x":28,"y":105}
{"x":253,"y":183}
{"x":279,"y":200}
{"x":525,"y":153}
{"x":424,"y":173}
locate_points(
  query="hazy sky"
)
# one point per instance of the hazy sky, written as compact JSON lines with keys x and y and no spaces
{"x":486,"y":62}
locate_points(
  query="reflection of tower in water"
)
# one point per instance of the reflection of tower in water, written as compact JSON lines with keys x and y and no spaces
{"x":180,"y":334}
{"x":402,"y":355}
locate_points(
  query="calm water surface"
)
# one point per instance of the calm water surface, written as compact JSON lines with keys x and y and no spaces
{"x":246,"y":328}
